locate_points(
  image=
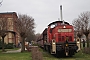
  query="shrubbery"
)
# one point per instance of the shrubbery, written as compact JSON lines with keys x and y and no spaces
{"x":86,"y":50}
{"x":7,"y":46}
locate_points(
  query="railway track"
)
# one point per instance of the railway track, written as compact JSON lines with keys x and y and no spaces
{"x":77,"y":56}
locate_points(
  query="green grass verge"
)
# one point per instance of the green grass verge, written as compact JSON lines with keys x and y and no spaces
{"x":81,"y":56}
{"x":15,"y":56}
{"x":46,"y":56}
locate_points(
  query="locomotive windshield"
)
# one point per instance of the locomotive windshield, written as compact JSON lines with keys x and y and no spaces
{"x":64,"y":30}
{"x":53,"y":25}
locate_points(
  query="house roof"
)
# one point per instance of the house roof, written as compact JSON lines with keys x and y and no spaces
{"x":6,"y":13}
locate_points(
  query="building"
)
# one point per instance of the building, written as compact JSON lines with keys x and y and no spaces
{"x":12,"y":35}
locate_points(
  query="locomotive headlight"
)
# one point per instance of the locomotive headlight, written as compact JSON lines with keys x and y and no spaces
{"x":78,"y":42}
{"x":53,"y":42}
{"x":66,"y":44}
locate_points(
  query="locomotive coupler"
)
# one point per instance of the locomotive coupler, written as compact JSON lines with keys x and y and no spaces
{"x":66,"y":50}
{"x":66,"y":47}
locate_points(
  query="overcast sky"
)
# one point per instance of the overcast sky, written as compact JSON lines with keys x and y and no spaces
{"x":46,"y":11}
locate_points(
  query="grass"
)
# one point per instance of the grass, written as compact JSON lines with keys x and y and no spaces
{"x":77,"y":56}
{"x":81,"y":56}
{"x":46,"y":56}
{"x":15,"y":56}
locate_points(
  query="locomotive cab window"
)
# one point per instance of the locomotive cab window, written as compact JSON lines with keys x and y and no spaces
{"x":53,"y":25}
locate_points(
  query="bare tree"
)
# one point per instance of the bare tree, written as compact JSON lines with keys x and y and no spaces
{"x":31,"y":36}
{"x":37,"y":36}
{"x":77,"y":24}
{"x":1,"y":2}
{"x":25,"y":24}
{"x":3,"y":30}
{"x":81,"y":24}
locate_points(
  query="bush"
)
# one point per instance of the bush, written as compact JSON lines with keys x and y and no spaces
{"x":9,"y":46}
{"x":86,"y":50}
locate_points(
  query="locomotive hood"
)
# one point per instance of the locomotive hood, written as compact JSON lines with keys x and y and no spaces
{"x":58,"y":22}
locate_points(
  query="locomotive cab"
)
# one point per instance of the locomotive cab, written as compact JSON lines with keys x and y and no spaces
{"x":63,"y":35}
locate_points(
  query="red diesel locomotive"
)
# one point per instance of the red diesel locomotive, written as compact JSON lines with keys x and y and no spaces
{"x":58,"y":39}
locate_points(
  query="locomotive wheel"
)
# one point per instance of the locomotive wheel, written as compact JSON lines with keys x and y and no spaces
{"x":44,"y":47}
{"x":59,"y":54}
{"x":70,"y":55}
{"x":48,"y":48}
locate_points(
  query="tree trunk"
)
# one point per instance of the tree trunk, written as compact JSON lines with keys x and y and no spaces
{"x":87,"y":41}
{"x":23,"y":45}
{"x":3,"y":44}
{"x":80,"y":43}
